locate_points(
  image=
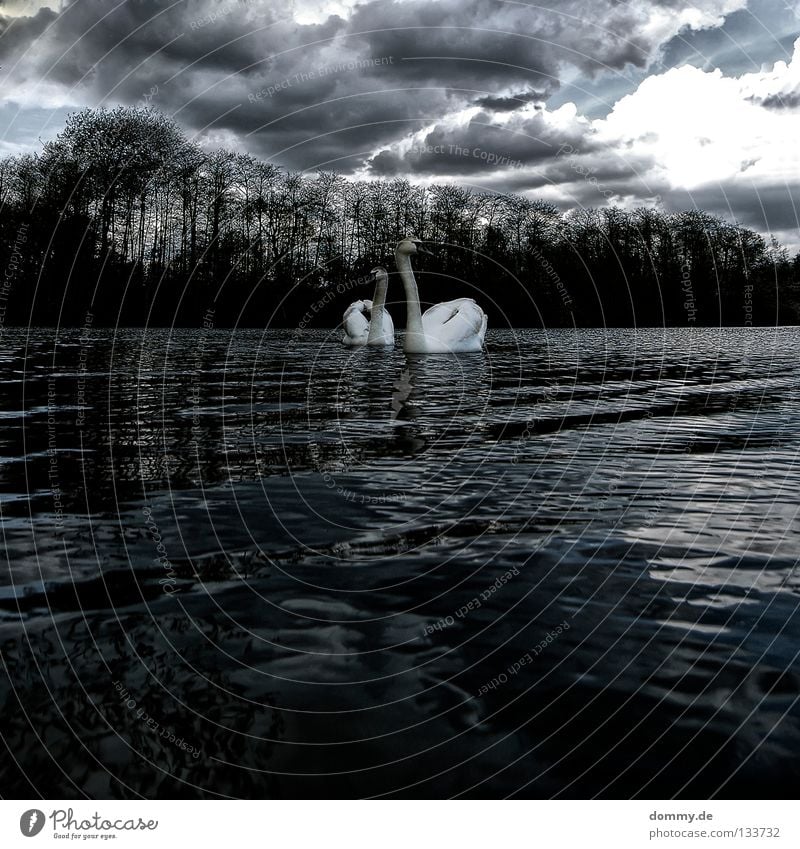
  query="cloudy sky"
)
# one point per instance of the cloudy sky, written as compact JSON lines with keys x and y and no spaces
{"x":582,"y":102}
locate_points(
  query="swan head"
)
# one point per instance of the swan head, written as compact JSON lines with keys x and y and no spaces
{"x":361,"y":306}
{"x":378,"y":273}
{"x":410,"y":246}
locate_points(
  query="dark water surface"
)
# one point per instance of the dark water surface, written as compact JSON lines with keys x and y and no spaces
{"x":262,"y":565}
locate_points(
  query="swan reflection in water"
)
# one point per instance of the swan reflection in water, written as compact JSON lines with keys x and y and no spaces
{"x":377,"y":404}
{"x":438,"y":399}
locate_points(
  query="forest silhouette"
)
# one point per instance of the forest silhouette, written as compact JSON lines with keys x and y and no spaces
{"x":122,"y":219}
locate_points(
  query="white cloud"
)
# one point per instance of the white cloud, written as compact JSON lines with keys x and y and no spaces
{"x":42,"y":94}
{"x":668,"y":20}
{"x":702,"y":127}
{"x":315,"y":11}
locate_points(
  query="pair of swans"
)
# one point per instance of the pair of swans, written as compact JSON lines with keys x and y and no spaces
{"x":457,"y":326}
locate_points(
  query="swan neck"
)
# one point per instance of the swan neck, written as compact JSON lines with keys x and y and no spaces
{"x":379,"y":298}
{"x":378,"y":305}
{"x":414,"y":312}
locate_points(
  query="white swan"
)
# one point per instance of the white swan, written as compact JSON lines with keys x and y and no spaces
{"x":457,"y":326}
{"x":378,"y":329}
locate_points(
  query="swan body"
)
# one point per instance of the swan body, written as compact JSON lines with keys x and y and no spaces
{"x":368,"y":322}
{"x":355,"y":323}
{"x":457,"y":326}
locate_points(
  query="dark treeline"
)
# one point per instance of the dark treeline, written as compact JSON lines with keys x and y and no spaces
{"x":123,"y":217}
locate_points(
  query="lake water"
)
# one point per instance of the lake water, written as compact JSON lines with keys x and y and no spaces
{"x":257,"y":564}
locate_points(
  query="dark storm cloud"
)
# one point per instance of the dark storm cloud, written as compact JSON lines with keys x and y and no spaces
{"x":17,"y":34}
{"x":593,"y":180}
{"x":771,"y":207}
{"x":467,"y":45}
{"x":606,"y":169}
{"x":482,"y":144}
{"x":512,"y":102}
{"x":478,"y":42}
{"x":315,"y":90}
{"x":339,"y":121}
{"x":144,"y":39}
{"x":789,"y":100}
{"x":286,"y":90}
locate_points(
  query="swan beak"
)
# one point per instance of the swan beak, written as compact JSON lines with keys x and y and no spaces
{"x":421,"y":250}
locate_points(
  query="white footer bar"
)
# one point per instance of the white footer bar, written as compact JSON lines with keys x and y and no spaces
{"x":401,"y":824}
